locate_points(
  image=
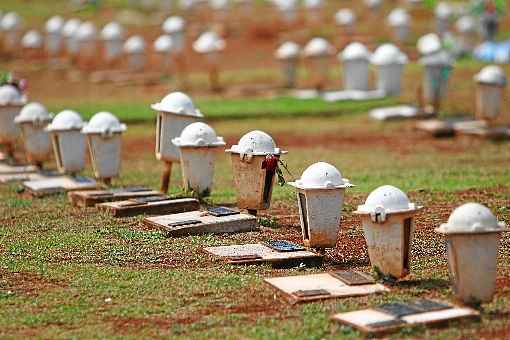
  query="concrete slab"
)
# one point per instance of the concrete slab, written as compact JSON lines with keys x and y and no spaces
{"x":21,"y":177}
{"x":202,"y":222}
{"x":336,"y":96}
{"x":6,"y":168}
{"x":90,"y":198}
{"x":395,"y":113}
{"x":150,"y":205}
{"x":376,"y":321}
{"x":58,"y":184}
{"x":307,"y":288}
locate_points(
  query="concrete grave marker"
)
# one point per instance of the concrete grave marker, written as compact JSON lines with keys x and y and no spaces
{"x":32,"y":121}
{"x":69,"y":34}
{"x":104,"y":137}
{"x":10,"y":25}
{"x":134,"y":48}
{"x":313,"y":287}
{"x":197,"y":144}
{"x":288,"y":56}
{"x":112,"y":36}
{"x":388,"y":226}
{"x":472,"y":236}
{"x":149,"y":205}
{"x":355,"y":60}
{"x":400,"y":22}
{"x":258,"y":253}
{"x":254,"y":163}
{"x":32,"y":44}
{"x":202,"y":222}
{"x":175,"y":112}
{"x":320,"y":195}
{"x":11,"y":102}
{"x":491,"y":82}
{"x":53,"y":40}
{"x":86,"y":40}
{"x":317,"y":53}
{"x":69,"y":144}
{"x":164,"y":46}
{"x":210,"y":45}
{"x":390,"y":62}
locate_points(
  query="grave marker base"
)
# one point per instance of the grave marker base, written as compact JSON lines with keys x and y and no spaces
{"x":386,"y":318}
{"x":58,"y":184}
{"x":258,"y":253}
{"x":301,"y":288}
{"x":201,"y":222}
{"x":90,"y":198}
{"x":150,"y":205}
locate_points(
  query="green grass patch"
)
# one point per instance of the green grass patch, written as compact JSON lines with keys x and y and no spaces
{"x":237,"y":108}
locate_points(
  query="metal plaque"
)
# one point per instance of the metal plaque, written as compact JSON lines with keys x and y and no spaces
{"x":353,"y":278}
{"x":149,"y":199}
{"x":284,"y":246}
{"x":222,"y":211}
{"x":133,"y":189}
{"x":245,"y":257}
{"x":398,"y":309}
{"x":183,"y":223}
{"x":425,"y":305}
{"x":311,"y":293}
{"x":386,"y":324}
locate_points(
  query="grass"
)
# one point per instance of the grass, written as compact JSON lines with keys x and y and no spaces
{"x":236,"y":108}
{"x":84,"y":274}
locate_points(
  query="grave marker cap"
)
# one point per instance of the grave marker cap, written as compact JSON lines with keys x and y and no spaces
{"x":10,"y":95}
{"x":163,"y":44}
{"x":256,"y":143}
{"x":288,"y":50}
{"x":318,"y":47}
{"x":355,"y":51}
{"x":104,"y":123}
{"x":177,"y":103}
{"x":10,"y":21}
{"x":199,"y":135}
{"x":134,"y":44}
{"x":112,"y":31}
{"x":86,"y":31}
{"x":471,"y":218}
{"x":398,"y":17}
{"x":321,"y":175}
{"x":491,"y":75}
{"x":387,"y":54}
{"x":208,"y":42}
{"x":70,"y":27}
{"x":66,"y":120}
{"x":32,"y":39}
{"x":33,"y":113}
{"x":54,"y":24}
{"x":174,"y":24}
